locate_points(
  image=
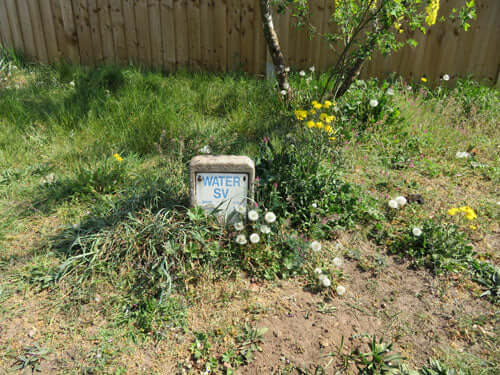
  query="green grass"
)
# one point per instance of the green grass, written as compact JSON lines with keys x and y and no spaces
{"x":79,"y":226}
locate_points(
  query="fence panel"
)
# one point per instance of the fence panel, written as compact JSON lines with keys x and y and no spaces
{"x":222,"y":35}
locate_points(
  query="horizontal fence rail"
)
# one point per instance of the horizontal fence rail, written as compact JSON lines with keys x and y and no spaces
{"x":226,"y":35}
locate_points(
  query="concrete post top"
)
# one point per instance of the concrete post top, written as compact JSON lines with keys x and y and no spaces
{"x":221,"y":163}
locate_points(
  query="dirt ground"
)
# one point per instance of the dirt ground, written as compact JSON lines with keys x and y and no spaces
{"x":421,"y":314}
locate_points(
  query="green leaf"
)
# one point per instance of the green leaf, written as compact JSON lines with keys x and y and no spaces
{"x":412,"y":42}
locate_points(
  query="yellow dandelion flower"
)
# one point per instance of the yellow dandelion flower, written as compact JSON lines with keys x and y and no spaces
{"x":310,"y":124}
{"x":332,"y":138}
{"x":328,"y":129}
{"x":300,"y":114}
{"x":423,"y":79}
{"x":467,"y":210}
{"x":473,"y":227}
{"x":327,"y":104}
{"x":470,"y":216}
{"x":323,"y":117}
{"x":453,"y":211}
{"x":319,"y":125}
{"x":329,"y":119}
{"x":118,"y":157}
{"x":317,"y":106}
{"x":312,"y":112}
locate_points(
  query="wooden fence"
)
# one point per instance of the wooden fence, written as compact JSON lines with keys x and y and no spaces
{"x":222,"y":35}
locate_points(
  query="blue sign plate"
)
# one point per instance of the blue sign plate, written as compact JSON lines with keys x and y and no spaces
{"x":224,"y":191}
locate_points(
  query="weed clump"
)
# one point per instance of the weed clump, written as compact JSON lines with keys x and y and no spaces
{"x":444,"y":247}
{"x":300,"y":180}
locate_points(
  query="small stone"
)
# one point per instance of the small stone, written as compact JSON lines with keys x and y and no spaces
{"x":324,"y":344}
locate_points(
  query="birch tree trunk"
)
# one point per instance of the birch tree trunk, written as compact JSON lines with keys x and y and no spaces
{"x":274,"y":48}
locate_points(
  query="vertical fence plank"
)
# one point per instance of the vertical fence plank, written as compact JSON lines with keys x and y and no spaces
{"x":233,"y":34}
{"x":142,"y":24}
{"x":448,"y":46}
{"x":318,"y":10}
{"x":247,"y":34}
{"x":492,"y":63}
{"x":59,"y":27}
{"x":220,"y":39}
{"x":118,"y":27}
{"x":432,"y":46}
{"x":207,"y":33}
{"x":130,"y":30}
{"x":7,"y":39}
{"x":181,"y":30}
{"x":302,"y":46}
{"x":168,"y":34}
{"x":259,"y":43}
{"x":70,"y":38}
{"x":326,"y":51}
{"x":194,"y":32}
{"x":15,"y":26}
{"x":155,"y":33}
{"x":485,"y":36}
{"x":49,"y":31}
{"x":38,"y":33}
{"x":95,"y":30}
{"x":80,"y":9}
{"x":106,"y":27}
{"x":26,"y":28}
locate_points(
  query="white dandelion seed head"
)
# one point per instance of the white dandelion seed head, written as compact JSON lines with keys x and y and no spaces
{"x":254,"y":238}
{"x":462,"y":154}
{"x":318,"y":271}
{"x":446,"y":77}
{"x":337,"y":262}
{"x":270,"y":217}
{"x":325,"y":281}
{"x":417,"y":232}
{"x":340,"y":290}
{"x":401,"y":200}
{"x":241,"y":209}
{"x":390,"y":91}
{"x":373,"y":103}
{"x":72,"y":83}
{"x":265,"y":229}
{"x":239,"y":226}
{"x":283,"y":92}
{"x":205,"y":149}
{"x":314,"y":205}
{"x":409,"y":88}
{"x":393,"y":203}
{"x":241,"y":239}
{"x":49,"y":179}
{"x":315,"y":246}
{"x":312,"y":69}
{"x":253,"y":215}
{"x":302,"y":73}
{"x":287,"y":69}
